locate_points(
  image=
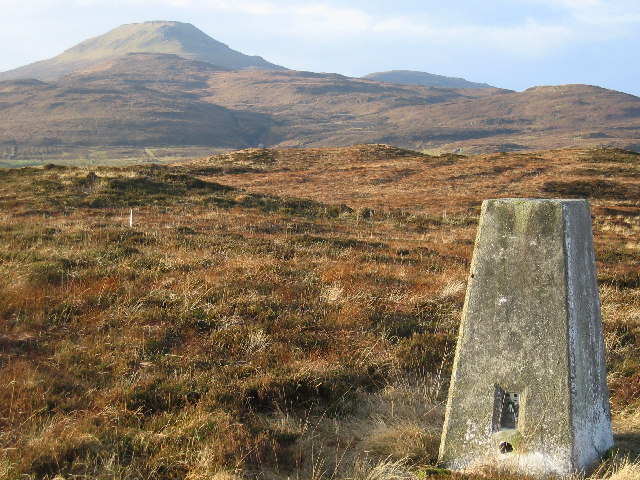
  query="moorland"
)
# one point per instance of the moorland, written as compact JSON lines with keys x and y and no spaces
{"x":271,"y":313}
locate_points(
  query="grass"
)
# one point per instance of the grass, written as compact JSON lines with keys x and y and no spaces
{"x":231,"y":334}
{"x":13,"y":157}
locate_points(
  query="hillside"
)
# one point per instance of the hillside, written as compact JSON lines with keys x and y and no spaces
{"x":234,"y":334}
{"x":410,"y":77}
{"x":168,"y":85}
{"x":137,"y":99}
{"x":161,"y":100}
{"x":182,"y":39}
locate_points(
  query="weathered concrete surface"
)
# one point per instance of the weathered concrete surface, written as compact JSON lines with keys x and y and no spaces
{"x":530,"y":326}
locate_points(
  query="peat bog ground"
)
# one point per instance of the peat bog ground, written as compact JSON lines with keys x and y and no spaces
{"x":271,"y":313}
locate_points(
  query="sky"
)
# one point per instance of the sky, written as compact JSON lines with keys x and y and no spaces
{"x":514,"y":44}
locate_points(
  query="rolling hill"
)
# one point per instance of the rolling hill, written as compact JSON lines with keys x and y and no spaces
{"x":410,"y":77}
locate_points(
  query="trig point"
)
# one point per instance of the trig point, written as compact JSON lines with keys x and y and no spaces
{"x":528,"y":390}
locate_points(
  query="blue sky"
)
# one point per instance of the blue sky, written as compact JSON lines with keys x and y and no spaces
{"x":513,"y":44}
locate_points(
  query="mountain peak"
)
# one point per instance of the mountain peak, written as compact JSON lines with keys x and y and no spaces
{"x":168,"y":37}
{"x":147,"y":37}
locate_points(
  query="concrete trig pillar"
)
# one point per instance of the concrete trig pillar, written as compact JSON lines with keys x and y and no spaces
{"x":528,"y":390}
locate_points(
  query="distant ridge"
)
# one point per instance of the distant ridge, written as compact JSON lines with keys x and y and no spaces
{"x":168,"y":85}
{"x":182,"y":39}
{"x":411,"y":77}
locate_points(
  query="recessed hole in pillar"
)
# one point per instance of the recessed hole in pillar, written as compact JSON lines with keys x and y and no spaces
{"x":509,"y":411}
{"x":505,"y":447}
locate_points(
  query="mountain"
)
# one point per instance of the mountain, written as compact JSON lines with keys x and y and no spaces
{"x":410,"y":77}
{"x":165,"y":100}
{"x":138,"y":99}
{"x":147,"y":100}
{"x":182,"y":39}
{"x":161,"y":99}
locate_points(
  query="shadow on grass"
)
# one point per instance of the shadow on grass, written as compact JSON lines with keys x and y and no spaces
{"x":628,"y":444}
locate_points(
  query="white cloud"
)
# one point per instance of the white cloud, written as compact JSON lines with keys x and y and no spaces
{"x":252,"y":7}
{"x":585,"y":19}
{"x":531,"y":38}
{"x":334,"y":15}
{"x":577,"y":20}
{"x":600,"y":13}
{"x":331,"y":22}
{"x":320,"y":19}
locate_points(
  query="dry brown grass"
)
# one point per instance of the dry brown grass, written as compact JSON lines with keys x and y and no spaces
{"x":380,"y":177}
{"x":230,"y":334}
